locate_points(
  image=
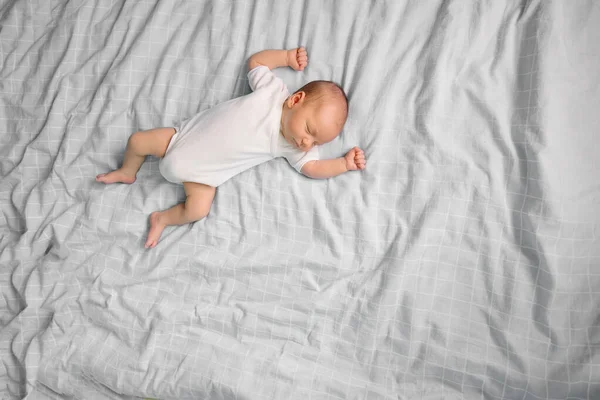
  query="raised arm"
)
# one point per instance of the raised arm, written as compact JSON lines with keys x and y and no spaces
{"x":293,"y":58}
{"x":322,"y":169}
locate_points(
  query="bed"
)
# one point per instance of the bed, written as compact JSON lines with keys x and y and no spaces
{"x":464,"y":262}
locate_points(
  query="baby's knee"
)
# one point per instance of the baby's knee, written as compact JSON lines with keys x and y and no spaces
{"x":196,"y":211}
{"x":136,"y":140}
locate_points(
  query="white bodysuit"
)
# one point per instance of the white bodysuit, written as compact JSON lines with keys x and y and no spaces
{"x":233,"y":136}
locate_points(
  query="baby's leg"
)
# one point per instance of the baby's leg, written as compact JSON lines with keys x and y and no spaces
{"x":141,"y":144}
{"x":196,"y":206}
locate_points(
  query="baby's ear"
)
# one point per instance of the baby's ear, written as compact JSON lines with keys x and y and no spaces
{"x":297,"y":97}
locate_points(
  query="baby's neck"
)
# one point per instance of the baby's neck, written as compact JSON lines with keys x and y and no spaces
{"x":281,"y":128}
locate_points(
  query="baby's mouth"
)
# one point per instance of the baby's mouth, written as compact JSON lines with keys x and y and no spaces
{"x":292,"y":141}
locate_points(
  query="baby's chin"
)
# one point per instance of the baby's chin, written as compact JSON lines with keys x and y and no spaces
{"x":290,"y":141}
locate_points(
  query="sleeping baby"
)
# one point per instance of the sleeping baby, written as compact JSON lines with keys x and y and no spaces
{"x":216,"y":144}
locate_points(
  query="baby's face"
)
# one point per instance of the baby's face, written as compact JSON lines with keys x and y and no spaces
{"x":304,"y":125}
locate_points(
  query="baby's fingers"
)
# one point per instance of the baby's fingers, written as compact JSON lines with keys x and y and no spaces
{"x":360,"y":162}
{"x":301,"y":54}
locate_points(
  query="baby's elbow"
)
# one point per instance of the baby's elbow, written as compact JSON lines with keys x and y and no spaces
{"x":252,"y":63}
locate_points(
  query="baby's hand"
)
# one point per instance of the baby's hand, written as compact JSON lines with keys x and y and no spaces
{"x":297,"y":58}
{"x":355,"y":159}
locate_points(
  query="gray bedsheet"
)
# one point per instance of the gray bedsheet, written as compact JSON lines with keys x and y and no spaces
{"x":464,"y":262}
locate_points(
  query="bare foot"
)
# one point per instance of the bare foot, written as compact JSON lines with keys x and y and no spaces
{"x":115,"y":176}
{"x":156,"y":228}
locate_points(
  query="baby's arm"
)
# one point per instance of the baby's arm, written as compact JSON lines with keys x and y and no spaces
{"x":322,"y":169}
{"x":293,"y":58}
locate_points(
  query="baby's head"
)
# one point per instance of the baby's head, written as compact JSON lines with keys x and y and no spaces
{"x":315,"y":114}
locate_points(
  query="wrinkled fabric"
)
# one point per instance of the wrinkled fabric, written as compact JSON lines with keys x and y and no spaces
{"x":462,"y":263}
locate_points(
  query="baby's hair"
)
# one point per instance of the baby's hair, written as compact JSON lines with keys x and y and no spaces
{"x":325,"y":90}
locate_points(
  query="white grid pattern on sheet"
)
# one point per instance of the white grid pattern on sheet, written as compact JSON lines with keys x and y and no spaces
{"x":444,"y":269}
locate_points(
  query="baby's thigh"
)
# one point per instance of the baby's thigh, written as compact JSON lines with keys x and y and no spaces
{"x":153,"y":141}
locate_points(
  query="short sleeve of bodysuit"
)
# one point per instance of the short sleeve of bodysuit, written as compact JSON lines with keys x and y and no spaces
{"x":261,"y":76}
{"x":297,"y":158}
